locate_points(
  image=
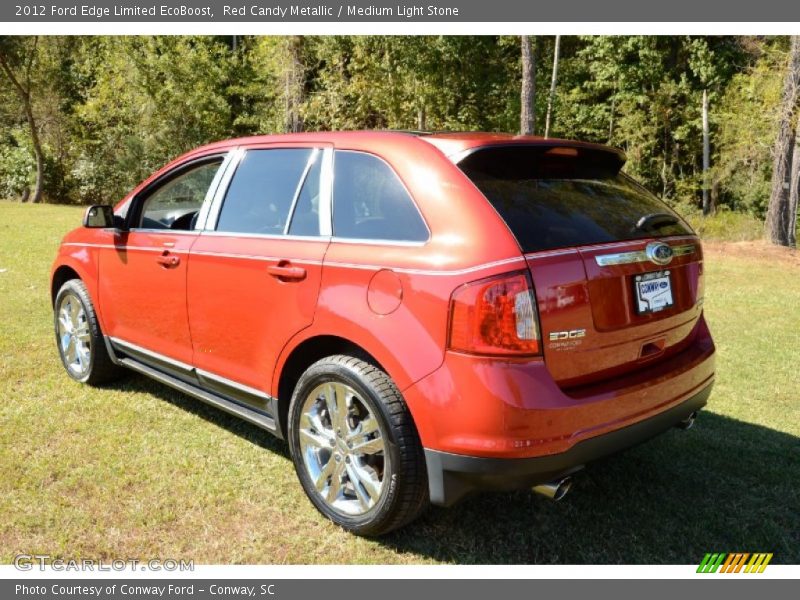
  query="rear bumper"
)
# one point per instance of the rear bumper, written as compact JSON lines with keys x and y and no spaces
{"x":452,"y":476}
{"x":501,"y":408}
{"x":501,"y":424}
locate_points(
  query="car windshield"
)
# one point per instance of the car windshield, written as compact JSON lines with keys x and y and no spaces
{"x":573,"y":197}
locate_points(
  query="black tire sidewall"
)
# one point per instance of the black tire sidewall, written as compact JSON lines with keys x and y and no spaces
{"x":75,"y":288}
{"x":372,"y":521}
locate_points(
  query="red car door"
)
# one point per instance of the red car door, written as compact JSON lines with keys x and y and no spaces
{"x":143,"y":273}
{"x":255,"y":271}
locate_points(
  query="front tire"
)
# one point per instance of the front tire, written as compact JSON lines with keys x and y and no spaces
{"x":78,"y":336}
{"x":355,"y":447}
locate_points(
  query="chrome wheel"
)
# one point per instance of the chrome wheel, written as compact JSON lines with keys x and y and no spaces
{"x":74,"y":337}
{"x":342,"y":448}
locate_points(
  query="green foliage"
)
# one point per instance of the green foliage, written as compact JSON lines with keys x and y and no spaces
{"x":16,"y":169}
{"x":258,"y":85}
{"x":644,"y":94}
{"x":724,"y":225}
{"x":408,"y":82}
{"x":747,"y":123}
{"x":110,"y":110}
{"x":148,"y":100}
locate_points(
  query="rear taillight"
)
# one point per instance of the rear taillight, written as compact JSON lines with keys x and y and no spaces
{"x":495,"y":316}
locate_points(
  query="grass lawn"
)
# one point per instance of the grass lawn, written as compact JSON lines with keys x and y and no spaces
{"x":138,"y":470}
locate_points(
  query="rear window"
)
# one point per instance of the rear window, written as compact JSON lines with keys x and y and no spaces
{"x":557,"y":197}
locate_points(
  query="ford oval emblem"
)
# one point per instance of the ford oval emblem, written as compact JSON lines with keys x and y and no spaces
{"x":659,"y":253}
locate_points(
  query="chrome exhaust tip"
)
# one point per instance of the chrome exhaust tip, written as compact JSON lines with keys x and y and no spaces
{"x":556,"y":489}
{"x":688,"y":422}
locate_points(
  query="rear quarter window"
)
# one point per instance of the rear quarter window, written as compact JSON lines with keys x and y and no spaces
{"x":371,"y":203}
{"x":556,"y":198}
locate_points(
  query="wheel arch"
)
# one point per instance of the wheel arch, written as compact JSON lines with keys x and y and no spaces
{"x":77,"y":261}
{"x":61,"y":275}
{"x":303,"y":355}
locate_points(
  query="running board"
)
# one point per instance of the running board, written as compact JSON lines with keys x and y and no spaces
{"x":259,"y":420}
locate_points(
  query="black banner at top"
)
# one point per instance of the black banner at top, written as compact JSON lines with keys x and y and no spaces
{"x":354,"y":11}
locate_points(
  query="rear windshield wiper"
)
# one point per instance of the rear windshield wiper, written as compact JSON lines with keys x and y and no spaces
{"x":654,"y":221}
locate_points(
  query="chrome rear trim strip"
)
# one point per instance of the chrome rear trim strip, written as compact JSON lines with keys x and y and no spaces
{"x":621,"y":258}
{"x":684,"y":250}
{"x":624,"y":258}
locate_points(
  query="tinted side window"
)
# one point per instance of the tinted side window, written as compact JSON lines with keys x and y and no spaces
{"x":305,"y":218}
{"x":370,"y":202}
{"x":175,"y":204}
{"x":261,"y":192}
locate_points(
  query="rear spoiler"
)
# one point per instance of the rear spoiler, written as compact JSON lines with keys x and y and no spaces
{"x":541,"y":159}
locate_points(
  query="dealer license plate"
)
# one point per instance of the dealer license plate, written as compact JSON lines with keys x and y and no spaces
{"x":653,"y":292}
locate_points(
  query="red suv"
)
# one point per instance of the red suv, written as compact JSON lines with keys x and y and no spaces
{"x":419,"y":315}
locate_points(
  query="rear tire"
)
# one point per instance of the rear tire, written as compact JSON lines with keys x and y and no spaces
{"x":355,"y":447}
{"x":78,"y":336}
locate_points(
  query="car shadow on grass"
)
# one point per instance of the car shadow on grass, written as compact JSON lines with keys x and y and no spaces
{"x":133,"y":382}
{"x":723,"y":486}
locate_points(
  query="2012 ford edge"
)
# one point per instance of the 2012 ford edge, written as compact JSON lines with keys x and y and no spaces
{"x":420,"y":316}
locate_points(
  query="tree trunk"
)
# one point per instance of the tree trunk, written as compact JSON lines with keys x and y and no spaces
{"x":37,"y":151}
{"x":553,"y":82}
{"x":706,"y":157}
{"x":527,"y":118}
{"x":777,"y":222}
{"x":24,"y":94}
{"x":714,"y":195}
{"x":794,"y":192}
{"x":295,"y":85}
{"x":611,"y":115}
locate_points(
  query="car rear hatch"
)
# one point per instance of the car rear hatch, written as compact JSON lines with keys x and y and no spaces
{"x":617,"y":274}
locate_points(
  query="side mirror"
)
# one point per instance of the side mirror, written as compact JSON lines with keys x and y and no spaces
{"x":98,"y":216}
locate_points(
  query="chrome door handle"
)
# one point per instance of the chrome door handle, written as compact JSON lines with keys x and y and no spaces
{"x":168,"y":260}
{"x":285,"y":272}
